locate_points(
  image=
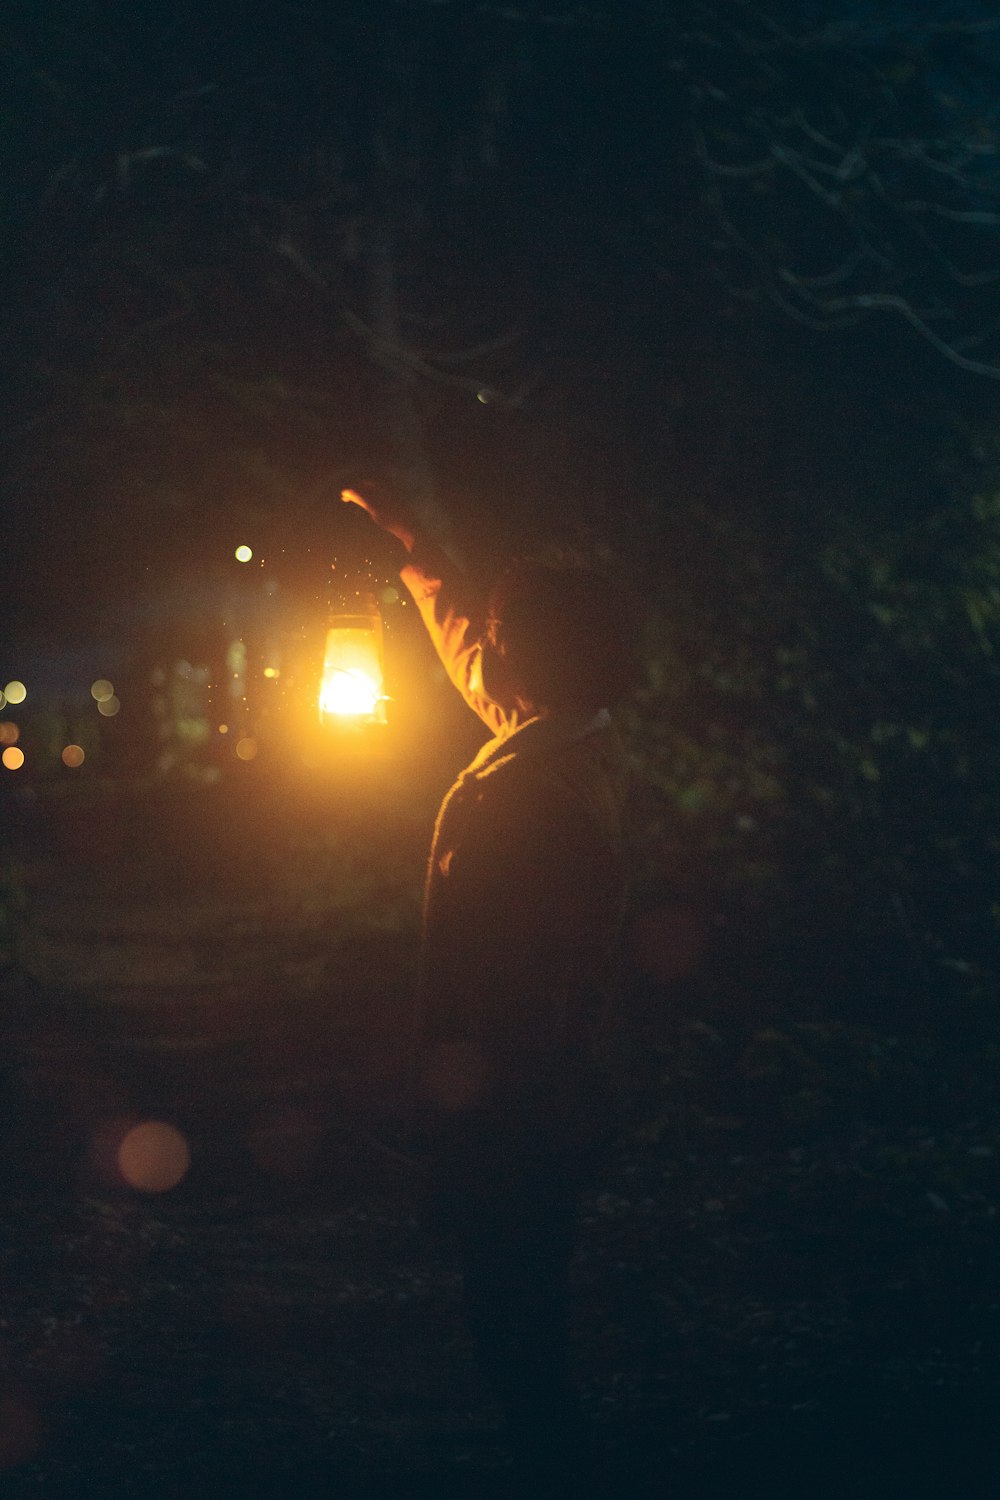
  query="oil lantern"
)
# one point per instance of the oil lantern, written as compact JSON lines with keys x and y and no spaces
{"x":352,"y":687}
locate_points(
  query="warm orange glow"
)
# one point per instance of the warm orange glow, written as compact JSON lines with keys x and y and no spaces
{"x":246,"y":748}
{"x":153,"y":1157}
{"x":13,"y":758}
{"x":9,"y":732}
{"x":102,"y":690}
{"x":243,"y":554}
{"x":352,"y":668}
{"x":73,"y":756}
{"x":15,"y":692}
{"x":271,"y":672}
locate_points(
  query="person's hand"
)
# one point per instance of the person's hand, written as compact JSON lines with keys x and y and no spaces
{"x":393,"y":516}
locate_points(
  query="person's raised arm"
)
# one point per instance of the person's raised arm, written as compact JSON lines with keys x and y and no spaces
{"x":453,"y":614}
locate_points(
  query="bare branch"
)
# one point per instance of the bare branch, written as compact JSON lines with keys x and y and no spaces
{"x":892,"y":302}
{"x":391,"y":354}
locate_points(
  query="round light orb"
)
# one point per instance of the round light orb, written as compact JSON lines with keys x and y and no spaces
{"x":102,"y":690}
{"x":246,"y":748}
{"x":243,"y":554}
{"x":13,"y":758}
{"x":108,"y":707}
{"x":73,"y":756}
{"x":15,"y":692}
{"x":154,"y":1157}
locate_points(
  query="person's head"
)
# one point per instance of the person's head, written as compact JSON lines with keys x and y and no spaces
{"x":561,"y":635}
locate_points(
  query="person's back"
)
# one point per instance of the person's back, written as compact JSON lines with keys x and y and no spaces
{"x":525,"y":891}
{"x":523,"y":907}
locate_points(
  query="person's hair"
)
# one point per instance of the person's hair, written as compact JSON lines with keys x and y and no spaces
{"x":568,"y":632}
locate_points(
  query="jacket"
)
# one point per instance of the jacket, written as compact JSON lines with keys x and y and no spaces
{"x":523,"y":904}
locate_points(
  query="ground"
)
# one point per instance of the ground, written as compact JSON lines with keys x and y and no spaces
{"x":786,"y":1277}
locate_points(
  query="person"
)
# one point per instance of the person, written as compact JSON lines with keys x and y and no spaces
{"x":523,"y":906}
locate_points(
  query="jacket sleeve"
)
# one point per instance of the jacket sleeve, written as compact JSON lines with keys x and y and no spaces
{"x":455,"y":619}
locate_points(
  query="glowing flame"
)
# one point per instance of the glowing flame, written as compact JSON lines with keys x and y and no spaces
{"x":352,"y":669}
{"x":347,"y":691}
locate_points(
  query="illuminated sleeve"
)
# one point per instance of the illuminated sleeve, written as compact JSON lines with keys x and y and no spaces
{"x":455,"y":618}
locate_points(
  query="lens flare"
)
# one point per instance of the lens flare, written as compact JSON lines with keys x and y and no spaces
{"x":15,"y":692}
{"x":13,"y":758}
{"x":73,"y":756}
{"x":153,"y":1157}
{"x":246,"y":748}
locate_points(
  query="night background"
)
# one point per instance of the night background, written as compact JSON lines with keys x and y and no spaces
{"x":712,"y":292}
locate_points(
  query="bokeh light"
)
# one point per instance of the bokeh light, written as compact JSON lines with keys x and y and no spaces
{"x":10,"y":733}
{"x":271,"y":672}
{"x":246,"y":748}
{"x":3,"y":700}
{"x":101,"y":690}
{"x":15,"y":692}
{"x":73,"y":756}
{"x":223,"y":728}
{"x":108,"y":707}
{"x":153,"y":1157}
{"x":243,"y":554}
{"x":13,"y":758}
